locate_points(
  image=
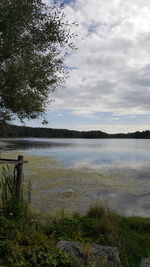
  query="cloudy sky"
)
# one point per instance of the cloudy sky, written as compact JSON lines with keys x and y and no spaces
{"x":109,"y":84}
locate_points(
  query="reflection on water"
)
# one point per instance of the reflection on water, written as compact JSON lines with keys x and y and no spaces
{"x":90,"y":151}
{"x":126,"y":203}
{"x":128,"y":156}
{"x":126,"y":161}
{"x":29,"y":144}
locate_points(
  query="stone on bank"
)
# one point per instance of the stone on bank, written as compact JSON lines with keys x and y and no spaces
{"x":94,"y":254}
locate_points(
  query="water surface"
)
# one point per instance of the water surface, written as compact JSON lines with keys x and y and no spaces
{"x":126,"y":162}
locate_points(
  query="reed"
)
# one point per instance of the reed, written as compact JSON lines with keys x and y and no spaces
{"x":10,"y":206}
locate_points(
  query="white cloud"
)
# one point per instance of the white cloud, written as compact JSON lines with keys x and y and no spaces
{"x":112,"y":63}
{"x":84,"y":113}
{"x":115,"y":118}
{"x":60,"y":115}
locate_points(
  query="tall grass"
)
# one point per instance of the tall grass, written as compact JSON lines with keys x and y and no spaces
{"x":10,"y":206}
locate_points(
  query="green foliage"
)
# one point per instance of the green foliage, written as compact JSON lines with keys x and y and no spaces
{"x":139,"y":224}
{"x":5,"y":248}
{"x":32,"y":240}
{"x":8,"y":130}
{"x":104,"y":227}
{"x":9,"y":229}
{"x":135,"y":232}
{"x":37,"y":250}
{"x":33,"y":43}
{"x":97,"y":212}
{"x":28,"y":247}
{"x":10,"y":207}
{"x":69,"y":228}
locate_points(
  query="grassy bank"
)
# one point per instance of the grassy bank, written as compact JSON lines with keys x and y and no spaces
{"x":31,"y":240}
{"x":28,"y":239}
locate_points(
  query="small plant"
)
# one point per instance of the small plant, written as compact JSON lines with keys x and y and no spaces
{"x":10,"y":206}
{"x":5,"y":248}
{"x":87,"y":253}
{"x":97,"y":211}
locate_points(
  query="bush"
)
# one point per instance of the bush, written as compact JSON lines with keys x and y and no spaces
{"x":37,"y":250}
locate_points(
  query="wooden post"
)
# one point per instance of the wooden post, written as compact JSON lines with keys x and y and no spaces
{"x":19,"y":178}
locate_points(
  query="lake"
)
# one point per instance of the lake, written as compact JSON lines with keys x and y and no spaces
{"x":72,"y":174}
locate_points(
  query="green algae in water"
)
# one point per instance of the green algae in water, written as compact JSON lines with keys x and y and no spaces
{"x":56,"y":187}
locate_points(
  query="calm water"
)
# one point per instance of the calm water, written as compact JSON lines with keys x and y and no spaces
{"x":128,"y":159}
{"x":90,"y":153}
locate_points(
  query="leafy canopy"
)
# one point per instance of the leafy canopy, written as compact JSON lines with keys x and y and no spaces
{"x":34,"y":38}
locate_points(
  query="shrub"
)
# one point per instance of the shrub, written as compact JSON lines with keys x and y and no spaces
{"x":38,"y":250}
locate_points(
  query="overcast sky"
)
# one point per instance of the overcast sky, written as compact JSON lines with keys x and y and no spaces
{"x":109,"y":84}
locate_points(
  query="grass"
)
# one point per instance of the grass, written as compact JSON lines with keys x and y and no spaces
{"x":28,"y":239}
{"x":9,"y":203}
{"x":32,"y":241}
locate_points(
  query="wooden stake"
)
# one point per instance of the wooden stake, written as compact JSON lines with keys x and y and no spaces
{"x":19,"y":178}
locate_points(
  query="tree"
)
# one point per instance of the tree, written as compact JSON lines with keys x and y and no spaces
{"x":33,"y":41}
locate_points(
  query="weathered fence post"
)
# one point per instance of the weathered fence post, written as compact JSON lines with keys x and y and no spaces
{"x":19,"y":177}
{"x":19,"y":167}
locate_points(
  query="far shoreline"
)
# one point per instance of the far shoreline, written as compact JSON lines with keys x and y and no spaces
{"x":15,"y":131}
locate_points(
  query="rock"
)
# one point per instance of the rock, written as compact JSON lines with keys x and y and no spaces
{"x":96,"y":255}
{"x":145,"y":262}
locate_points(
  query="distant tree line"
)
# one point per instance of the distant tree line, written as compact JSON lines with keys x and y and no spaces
{"x":8,"y":130}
